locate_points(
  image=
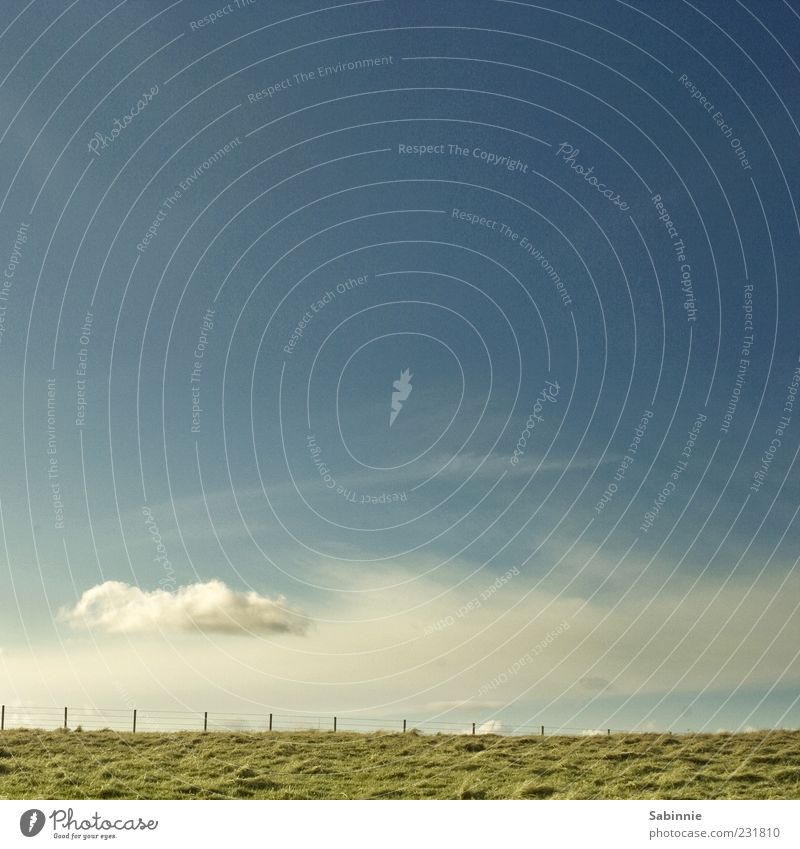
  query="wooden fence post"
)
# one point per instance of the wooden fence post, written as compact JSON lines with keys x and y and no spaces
{"x":473,"y":727}
{"x":65,"y":719}
{"x":205,"y":721}
{"x":134,"y":720}
{"x":334,"y":723}
{"x":404,"y":725}
{"x":609,"y":732}
{"x":3,"y":719}
{"x":543,"y":731}
{"x":270,"y":722}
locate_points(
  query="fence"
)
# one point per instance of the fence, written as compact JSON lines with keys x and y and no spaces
{"x":135,"y":720}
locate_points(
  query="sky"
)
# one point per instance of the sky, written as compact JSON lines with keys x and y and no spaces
{"x":399,"y":359}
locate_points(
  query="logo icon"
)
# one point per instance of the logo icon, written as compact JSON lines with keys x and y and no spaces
{"x":403,"y":389}
{"x":31,"y":822}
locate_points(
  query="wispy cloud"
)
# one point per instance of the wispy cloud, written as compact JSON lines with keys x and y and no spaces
{"x":492,"y":726}
{"x":119,"y":608}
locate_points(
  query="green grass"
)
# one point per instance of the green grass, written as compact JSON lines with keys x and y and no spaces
{"x":323,"y":765}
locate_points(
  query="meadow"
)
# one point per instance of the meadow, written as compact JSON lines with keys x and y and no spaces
{"x":323,"y":765}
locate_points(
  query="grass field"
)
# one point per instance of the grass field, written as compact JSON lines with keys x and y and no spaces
{"x":323,"y":765}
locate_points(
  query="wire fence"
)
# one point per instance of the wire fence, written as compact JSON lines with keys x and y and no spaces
{"x":135,"y":720}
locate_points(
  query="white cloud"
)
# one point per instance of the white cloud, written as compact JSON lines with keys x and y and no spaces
{"x":212,"y":607}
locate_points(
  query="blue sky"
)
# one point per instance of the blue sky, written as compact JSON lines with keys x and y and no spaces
{"x":574,"y":226}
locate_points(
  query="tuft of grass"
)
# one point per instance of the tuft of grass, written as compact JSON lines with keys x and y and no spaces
{"x":312,"y":765}
{"x":112,"y":791}
{"x":471,"y":790}
{"x":535,"y":790}
{"x":246,"y":772}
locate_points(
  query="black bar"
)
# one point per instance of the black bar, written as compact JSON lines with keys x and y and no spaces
{"x":3,"y":719}
{"x":205,"y":721}
{"x":134,"y":720}
{"x":334,"y":723}
{"x":270,"y":722}
{"x":404,"y":726}
{"x":65,"y":719}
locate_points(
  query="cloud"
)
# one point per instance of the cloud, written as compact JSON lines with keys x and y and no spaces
{"x":212,"y":607}
{"x":367,"y":652}
{"x":466,"y":464}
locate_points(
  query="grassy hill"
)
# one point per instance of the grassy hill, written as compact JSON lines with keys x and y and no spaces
{"x":323,"y":765}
